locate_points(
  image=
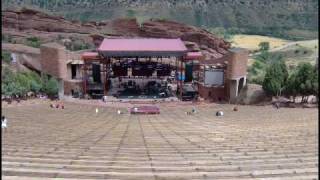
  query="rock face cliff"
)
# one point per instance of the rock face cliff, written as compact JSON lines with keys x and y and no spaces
{"x":195,"y":38}
{"x":26,"y":22}
{"x":259,"y":16}
{"x":28,"y":19}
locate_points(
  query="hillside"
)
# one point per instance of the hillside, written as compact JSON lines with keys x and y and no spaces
{"x":289,"y":19}
{"x":299,"y":51}
{"x":251,"y":42}
{"x":292,"y":52}
{"x":32,"y":28}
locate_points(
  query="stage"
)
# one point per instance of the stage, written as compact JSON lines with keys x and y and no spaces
{"x":137,"y":69}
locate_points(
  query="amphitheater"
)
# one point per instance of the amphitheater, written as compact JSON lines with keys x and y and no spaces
{"x":255,"y":142}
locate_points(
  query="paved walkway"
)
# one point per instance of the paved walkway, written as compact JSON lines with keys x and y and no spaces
{"x":75,"y":143}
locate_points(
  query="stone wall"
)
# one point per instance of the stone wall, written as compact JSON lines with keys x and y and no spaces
{"x":53,"y":60}
{"x":69,"y":85}
{"x":237,"y":63}
{"x":213,"y":93}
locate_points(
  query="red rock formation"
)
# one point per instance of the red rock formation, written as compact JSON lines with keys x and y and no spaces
{"x":210,"y":45}
{"x":44,"y":25}
{"x":126,"y":27}
{"x":27,"y":19}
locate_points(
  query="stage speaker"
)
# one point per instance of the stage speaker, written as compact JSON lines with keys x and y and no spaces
{"x":188,"y":72}
{"x":96,"y":73}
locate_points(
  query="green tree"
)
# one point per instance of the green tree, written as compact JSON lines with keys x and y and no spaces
{"x":306,"y":79}
{"x":49,"y":85}
{"x":284,"y":71}
{"x":52,"y":87}
{"x":275,"y":78}
{"x":315,"y":83}
{"x":264,"y":57}
{"x":292,"y":86}
{"x":35,"y":81}
{"x":23,"y":84}
{"x":264,"y":46}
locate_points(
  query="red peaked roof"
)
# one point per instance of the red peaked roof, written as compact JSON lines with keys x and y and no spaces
{"x":142,"y":47}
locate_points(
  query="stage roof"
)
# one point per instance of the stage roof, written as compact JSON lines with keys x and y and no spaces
{"x":194,"y":56}
{"x":142,"y":47}
{"x":90,"y":56}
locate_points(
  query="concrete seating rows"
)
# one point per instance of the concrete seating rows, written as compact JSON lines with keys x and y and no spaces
{"x":77,"y":143}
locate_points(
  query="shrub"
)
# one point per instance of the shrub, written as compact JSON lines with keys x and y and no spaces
{"x":50,"y":86}
{"x":20,"y":83}
{"x":6,"y":56}
{"x":258,"y":65}
{"x":77,"y":45}
{"x":7,"y":38}
{"x":33,"y":42}
{"x":257,"y":79}
{"x":35,"y":81}
{"x":264,"y":46}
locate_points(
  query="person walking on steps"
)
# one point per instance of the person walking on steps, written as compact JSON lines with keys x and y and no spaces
{"x":4,"y":123}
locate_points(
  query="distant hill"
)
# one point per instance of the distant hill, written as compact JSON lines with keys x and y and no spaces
{"x":288,"y":19}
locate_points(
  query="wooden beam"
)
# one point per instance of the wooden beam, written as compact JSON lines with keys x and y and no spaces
{"x":181,"y":84}
{"x":85,"y":78}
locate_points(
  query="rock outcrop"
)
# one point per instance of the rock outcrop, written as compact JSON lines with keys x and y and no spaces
{"x":25,"y":57}
{"x":27,"y":22}
{"x":28,"y":19}
{"x":195,"y":38}
{"x":260,"y":16}
{"x":252,"y":94}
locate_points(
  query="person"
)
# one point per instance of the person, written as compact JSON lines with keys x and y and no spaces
{"x":4,"y":123}
{"x":135,"y":110}
{"x":193,"y":110}
{"x":219,"y":113}
{"x":235,"y":108}
{"x":57,"y":104}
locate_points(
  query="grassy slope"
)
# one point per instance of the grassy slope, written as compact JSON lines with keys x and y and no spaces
{"x":300,"y":51}
{"x":292,"y":51}
{"x":251,"y":42}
